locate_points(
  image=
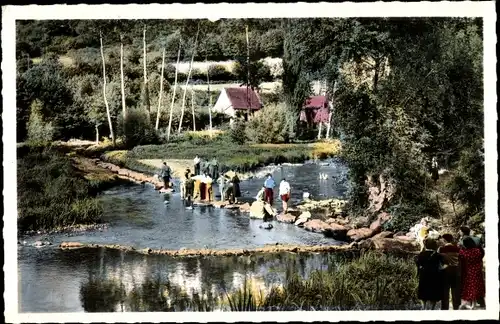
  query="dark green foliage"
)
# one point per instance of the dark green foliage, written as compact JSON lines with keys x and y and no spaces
{"x":237,"y":132}
{"x":268,"y":125}
{"x":50,"y":193}
{"x":138,"y":129}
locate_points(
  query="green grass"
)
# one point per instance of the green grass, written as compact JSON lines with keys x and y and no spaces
{"x":241,"y":158}
{"x":51,"y":193}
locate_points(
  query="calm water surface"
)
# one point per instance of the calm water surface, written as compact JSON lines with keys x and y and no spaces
{"x":52,"y":280}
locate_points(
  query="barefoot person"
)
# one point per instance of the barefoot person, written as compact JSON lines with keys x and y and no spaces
{"x":269,"y":184}
{"x":284,"y":192}
{"x":165,"y":175}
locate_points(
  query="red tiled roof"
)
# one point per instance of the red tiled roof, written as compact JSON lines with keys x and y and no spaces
{"x":316,"y":102}
{"x":240,"y":100}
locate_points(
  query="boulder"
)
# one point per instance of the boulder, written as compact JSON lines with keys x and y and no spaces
{"x":286,"y":218}
{"x":300,"y":221}
{"x":67,"y":245}
{"x":303,"y":217}
{"x":245,"y":208}
{"x":394,"y":244}
{"x":366,"y":245}
{"x":266,"y":225}
{"x":316,"y":225}
{"x":331,"y":220}
{"x":220,"y":204}
{"x":384,"y":234}
{"x":359,"y":234}
{"x":337,"y":232}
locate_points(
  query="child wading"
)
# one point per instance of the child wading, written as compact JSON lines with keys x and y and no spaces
{"x":284,"y":192}
{"x":430,"y":274}
{"x":269,"y":184}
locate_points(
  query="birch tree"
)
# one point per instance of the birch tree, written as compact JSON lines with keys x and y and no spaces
{"x":104,"y":92}
{"x":209,"y":99}
{"x":192,"y":108}
{"x":175,"y":88}
{"x":145,"y":90}
{"x":187,"y":79}
{"x":124,"y":108}
{"x":161,"y":90}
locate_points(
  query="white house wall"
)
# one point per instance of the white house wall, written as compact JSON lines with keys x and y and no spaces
{"x":223,"y":105}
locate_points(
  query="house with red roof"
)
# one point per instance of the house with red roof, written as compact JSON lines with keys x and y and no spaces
{"x":316,"y":110}
{"x":238,"y":102}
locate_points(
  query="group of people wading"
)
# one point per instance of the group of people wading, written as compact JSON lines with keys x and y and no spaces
{"x":198,"y":185}
{"x":455,"y":267}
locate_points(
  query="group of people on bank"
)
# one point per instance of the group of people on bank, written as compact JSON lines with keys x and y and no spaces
{"x":198,"y":185}
{"x":456,"y":267}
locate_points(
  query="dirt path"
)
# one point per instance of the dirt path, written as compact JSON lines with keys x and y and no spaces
{"x":178,"y":167}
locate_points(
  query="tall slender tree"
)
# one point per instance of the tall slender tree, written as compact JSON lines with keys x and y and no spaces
{"x":104,"y":91}
{"x":174,"y":90}
{"x":122,"y":79}
{"x":161,"y":90}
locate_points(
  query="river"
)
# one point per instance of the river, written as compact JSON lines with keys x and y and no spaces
{"x":53,"y":280}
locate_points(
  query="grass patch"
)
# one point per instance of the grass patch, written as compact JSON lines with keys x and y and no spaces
{"x":51,"y":192}
{"x":241,"y":158}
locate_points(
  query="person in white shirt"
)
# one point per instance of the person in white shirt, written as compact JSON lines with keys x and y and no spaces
{"x":284,"y":192}
{"x":196,"y":163}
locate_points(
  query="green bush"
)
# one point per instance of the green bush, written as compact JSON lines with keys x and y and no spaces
{"x":51,"y":194}
{"x":237,"y":132}
{"x":138,"y":130}
{"x":39,"y":131}
{"x":268,"y":125}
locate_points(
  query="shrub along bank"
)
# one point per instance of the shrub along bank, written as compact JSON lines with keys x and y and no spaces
{"x":52,"y":193}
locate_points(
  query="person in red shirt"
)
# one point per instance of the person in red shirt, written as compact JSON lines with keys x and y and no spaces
{"x":471,"y":260}
{"x":451,"y":277}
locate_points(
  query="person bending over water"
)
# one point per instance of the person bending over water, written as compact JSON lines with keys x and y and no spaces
{"x":284,"y":192}
{"x":430,"y":274}
{"x":269,"y":184}
{"x":261,"y":195}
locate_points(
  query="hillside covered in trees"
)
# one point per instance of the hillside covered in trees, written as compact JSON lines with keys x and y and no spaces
{"x":404,"y":91}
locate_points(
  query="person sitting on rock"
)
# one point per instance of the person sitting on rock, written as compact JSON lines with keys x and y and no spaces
{"x":284,"y":192}
{"x":165,"y":175}
{"x":261,"y":194}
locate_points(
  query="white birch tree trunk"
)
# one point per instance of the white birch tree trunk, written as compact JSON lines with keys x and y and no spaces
{"x":187,"y":80}
{"x":175,"y":88}
{"x":104,"y":93}
{"x":146,"y":91}
{"x":209,"y":100}
{"x":96,"y":134}
{"x":192,"y":109}
{"x":124,"y":108}
{"x":161,"y":90}
{"x":320,"y":128}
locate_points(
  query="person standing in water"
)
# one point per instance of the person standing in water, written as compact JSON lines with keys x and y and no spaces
{"x":236,"y":187}
{"x":222,"y":187}
{"x":215,"y":168}
{"x":269,"y":184}
{"x":284,"y":192}
{"x":165,"y":175}
{"x":197,"y":162}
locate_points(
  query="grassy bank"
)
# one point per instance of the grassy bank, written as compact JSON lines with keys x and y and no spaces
{"x":371,"y":281}
{"x":53,"y":193}
{"x":241,"y":158}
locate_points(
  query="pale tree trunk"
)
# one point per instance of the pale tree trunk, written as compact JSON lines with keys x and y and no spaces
{"x":97,"y":134}
{"x":146,"y":104}
{"x":187,"y":80}
{"x":320,"y":128}
{"x":330,"y":114}
{"x":161,"y":90}
{"x":104,"y":93}
{"x":192,"y":108}
{"x":209,"y":100}
{"x":124,"y":108}
{"x":248,"y":68}
{"x":175,"y":88}
{"x":328,"y":125}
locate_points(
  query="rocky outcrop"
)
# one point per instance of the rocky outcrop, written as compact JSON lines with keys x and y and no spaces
{"x":335,"y":206}
{"x":286,"y":218}
{"x":316,"y":226}
{"x":337,"y":232}
{"x":303,"y":218}
{"x":359,"y":234}
{"x":384,"y":234}
{"x":391,"y":245}
{"x":380,"y":192}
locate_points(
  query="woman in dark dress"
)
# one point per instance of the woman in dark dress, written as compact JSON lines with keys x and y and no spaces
{"x":236,"y":187}
{"x":430,"y":274}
